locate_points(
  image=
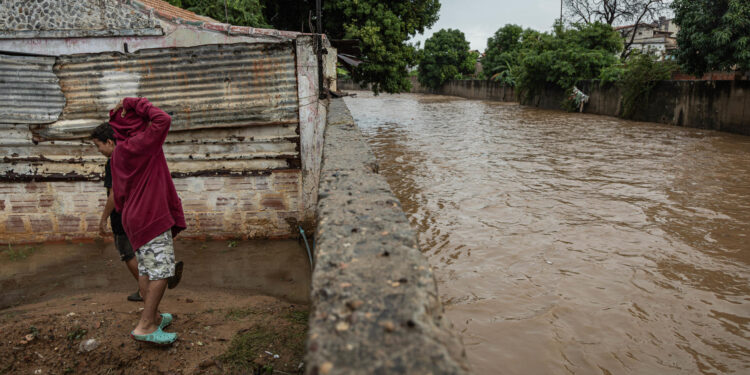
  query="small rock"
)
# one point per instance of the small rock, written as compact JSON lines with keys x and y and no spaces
{"x":388,"y":325}
{"x":188,"y":300}
{"x":207,"y":363}
{"x":342,"y":326}
{"x":326,"y":368}
{"x":88,"y":345}
{"x":353,"y":305}
{"x":276,"y":356}
{"x":200,"y":343}
{"x":27,"y":339}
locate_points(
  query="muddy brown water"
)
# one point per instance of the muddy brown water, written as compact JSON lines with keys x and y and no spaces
{"x":573,"y":243}
{"x":276,"y":268}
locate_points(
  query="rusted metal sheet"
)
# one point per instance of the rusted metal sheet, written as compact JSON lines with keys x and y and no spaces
{"x":29,"y":90}
{"x":203,"y":87}
{"x":188,"y":154}
{"x":234,"y":111}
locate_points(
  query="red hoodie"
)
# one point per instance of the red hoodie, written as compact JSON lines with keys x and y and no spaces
{"x":141,"y":183}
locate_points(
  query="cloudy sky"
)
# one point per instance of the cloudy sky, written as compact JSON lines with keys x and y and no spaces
{"x":479,"y":19}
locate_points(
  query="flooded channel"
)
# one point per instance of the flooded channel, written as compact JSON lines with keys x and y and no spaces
{"x":573,"y":243}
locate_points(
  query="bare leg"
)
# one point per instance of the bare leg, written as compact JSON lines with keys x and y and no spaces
{"x":153,"y":291}
{"x":132,"y":265}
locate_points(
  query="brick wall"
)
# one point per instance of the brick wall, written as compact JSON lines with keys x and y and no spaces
{"x":215,"y":207}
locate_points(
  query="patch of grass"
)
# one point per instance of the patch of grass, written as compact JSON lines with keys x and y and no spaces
{"x":240,"y":313}
{"x":232,"y":243}
{"x":245,"y":353}
{"x":297,"y":317}
{"x":77,"y":334}
{"x":246,"y":347}
{"x":19,"y":253}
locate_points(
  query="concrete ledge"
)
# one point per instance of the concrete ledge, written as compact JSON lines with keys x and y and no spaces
{"x":375,"y":304}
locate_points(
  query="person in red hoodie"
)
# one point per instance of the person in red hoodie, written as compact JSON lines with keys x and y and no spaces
{"x":151,"y":211}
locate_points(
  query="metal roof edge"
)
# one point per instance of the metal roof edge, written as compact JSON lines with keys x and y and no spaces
{"x":229,"y":29}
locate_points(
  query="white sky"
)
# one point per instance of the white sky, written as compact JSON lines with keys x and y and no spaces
{"x":479,"y":19}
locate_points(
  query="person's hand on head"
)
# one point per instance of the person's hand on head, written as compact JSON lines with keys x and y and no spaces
{"x":120,"y":106}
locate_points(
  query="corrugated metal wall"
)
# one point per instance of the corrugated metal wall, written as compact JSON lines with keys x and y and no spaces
{"x":234,"y":110}
{"x":29,"y":91}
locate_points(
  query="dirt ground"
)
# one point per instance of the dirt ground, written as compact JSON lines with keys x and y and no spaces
{"x":241,"y":308}
{"x":218,"y":333}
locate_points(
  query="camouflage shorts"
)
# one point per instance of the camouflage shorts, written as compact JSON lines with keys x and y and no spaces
{"x":156,"y":258}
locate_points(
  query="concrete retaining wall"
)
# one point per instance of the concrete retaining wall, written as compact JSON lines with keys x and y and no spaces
{"x":717,"y":105}
{"x":469,"y":89}
{"x":375,"y":304}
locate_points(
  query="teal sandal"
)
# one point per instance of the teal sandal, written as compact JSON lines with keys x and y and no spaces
{"x":166,"y":319}
{"x":157,"y":337}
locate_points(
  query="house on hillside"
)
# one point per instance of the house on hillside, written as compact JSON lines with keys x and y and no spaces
{"x":658,"y":38}
{"x":247,"y":115}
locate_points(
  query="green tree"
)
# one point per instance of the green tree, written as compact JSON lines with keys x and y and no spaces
{"x":714,"y":35}
{"x":566,"y":56}
{"x":382,"y":27}
{"x":240,"y":12}
{"x":502,"y":50}
{"x":640,"y":73}
{"x":445,"y":56}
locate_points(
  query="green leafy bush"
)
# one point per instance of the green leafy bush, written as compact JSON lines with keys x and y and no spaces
{"x":566,"y":56}
{"x":640,"y":75}
{"x":611,"y":74}
{"x":240,"y":12}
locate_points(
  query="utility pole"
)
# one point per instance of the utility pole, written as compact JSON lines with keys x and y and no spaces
{"x":561,"y":7}
{"x":226,"y":12}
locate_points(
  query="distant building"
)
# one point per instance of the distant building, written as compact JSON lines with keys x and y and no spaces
{"x":478,"y":69}
{"x":658,"y":38}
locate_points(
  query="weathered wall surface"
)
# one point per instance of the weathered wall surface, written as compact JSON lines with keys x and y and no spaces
{"x":67,"y":19}
{"x":215,"y":207}
{"x":469,"y":89}
{"x":375,"y":303}
{"x":716,"y":105}
{"x":312,"y":118}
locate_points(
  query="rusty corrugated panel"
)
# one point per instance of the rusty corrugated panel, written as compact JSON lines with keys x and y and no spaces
{"x":204,"y":87}
{"x":29,"y":91}
{"x":234,"y":109}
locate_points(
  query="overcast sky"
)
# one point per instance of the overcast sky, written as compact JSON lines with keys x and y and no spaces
{"x":479,"y":19}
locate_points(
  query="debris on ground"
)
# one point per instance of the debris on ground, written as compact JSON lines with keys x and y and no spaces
{"x":219,"y":332}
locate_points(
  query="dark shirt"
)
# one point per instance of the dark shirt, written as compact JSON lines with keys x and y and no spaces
{"x":114,"y":218}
